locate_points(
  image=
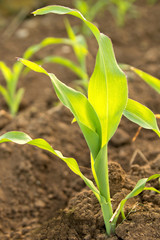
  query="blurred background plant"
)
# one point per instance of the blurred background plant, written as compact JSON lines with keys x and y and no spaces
{"x":79,"y":46}
{"x":120,"y":9}
{"x":151,"y":1}
{"x":13,"y":97}
{"x":89,"y":10}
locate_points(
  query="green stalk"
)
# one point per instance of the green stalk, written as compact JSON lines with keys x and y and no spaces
{"x":107,"y":214}
{"x":106,"y":207}
{"x":102,"y":176}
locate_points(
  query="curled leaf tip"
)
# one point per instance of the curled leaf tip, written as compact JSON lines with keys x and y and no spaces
{"x":34,"y":13}
{"x":18,"y":59}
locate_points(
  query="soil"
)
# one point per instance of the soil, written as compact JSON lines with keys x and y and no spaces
{"x":40,"y":198}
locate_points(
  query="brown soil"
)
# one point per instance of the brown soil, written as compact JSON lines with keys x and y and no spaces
{"x":37,"y":190}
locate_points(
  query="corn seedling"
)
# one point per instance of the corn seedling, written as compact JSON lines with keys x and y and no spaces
{"x":120,"y":8}
{"x":98,"y":117}
{"x":13,"y":96}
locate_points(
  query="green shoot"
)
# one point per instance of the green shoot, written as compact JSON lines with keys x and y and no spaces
{"x":98,"y":117}
{"x":120,"y":8}
{"x":13,"y":97}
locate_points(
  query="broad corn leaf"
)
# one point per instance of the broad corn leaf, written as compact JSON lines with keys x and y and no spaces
{"x":78,"y":105}
{"x":107,"y":89}
{"x":82,"y":111}
{"x":143,"y":116}
{"x":22,"y":138}
{"x":149,"y":79}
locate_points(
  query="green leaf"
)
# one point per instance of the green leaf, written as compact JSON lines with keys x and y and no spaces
{"x":33,"y":66}
{"x":111,"y":86}
{"x":16,"y":137}
{"x":82,"y":111}
{"x":152,"y":189}
{"x":65,"y":10}
{"x":31,"y":50}
{"x":78,"y":105}
{"x":4,"y":93}
{"x":80,"y":46}
{"x":5,"y":71}
{"x":22,"y":138}
{"x":141,"y":115}
{"x":101,"y":170}
{"x":18,"y":99}
{"x":49,"y":41}
{"x":152,"y":81}
{"x":107,"y":90}
{"x":140,"y":186}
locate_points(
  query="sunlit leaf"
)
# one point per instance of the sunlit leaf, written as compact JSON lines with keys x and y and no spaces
{"x":107,"y":89}
{"x":78,"y":105}
{"x":141,"y":115}
{"x":22,"y":138}
{"x":5,"y":71}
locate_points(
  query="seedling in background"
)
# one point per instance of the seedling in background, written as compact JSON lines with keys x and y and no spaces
{"x":79,"y":46}
{"x":13,"y":96}
{"x":89,"y":9}
{"x":120,"y":8}
{"x":98,"y":117}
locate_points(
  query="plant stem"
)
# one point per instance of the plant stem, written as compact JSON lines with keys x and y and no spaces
{"x":102,"y":176}
{"x":107,"y":214}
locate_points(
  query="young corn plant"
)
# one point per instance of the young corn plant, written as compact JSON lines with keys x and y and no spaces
{"x":11,"y":95}
{"x":120,"y":8}
{"x":98,"y":117}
